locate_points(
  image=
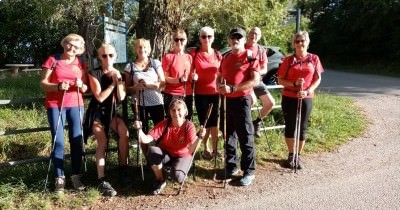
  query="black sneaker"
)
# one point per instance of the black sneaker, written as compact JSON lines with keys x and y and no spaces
{"x":257,"y":126}
{"x":106,"y":189}
{"x":158,"y":187}
{"x":124,"y":177}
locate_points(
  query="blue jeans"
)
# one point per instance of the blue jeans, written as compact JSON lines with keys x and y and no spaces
{"x":71,"y":114}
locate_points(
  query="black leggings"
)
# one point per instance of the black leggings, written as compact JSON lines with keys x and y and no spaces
{"x":188,"y":101}
{"x":156,"y":115}
{"x":289,"y":108}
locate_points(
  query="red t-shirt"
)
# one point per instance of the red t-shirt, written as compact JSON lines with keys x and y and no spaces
{"x":207,"y":66}
{"x":64,"y":72}
{"x":256,"y":50}
{"x":291,"y":69}
{"x":176,"y":65}
{"x":235,"y":69}
{"x":175,"y":141}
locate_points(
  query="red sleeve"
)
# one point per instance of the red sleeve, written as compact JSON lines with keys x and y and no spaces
{"x":49,"y":62}
{"x":318,"y":65}
{"x":165,"y":63}
{"x":191,"y":133}
{"x":284,"y":67}
{"x":158,"y":129}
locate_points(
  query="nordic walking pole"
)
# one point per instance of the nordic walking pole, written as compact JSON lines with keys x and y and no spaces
{"x":54,"y":140}
{"x":80,"y":123}
{"x":197,"y":145}
{"x":218,"y":121}
{"x":297,"y":131}
{"x":184,"y":86}
{"x":139,"y":150}
{"x":224,"y":132}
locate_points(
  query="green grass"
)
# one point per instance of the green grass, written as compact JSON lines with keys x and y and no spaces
{"x":334,"y":121}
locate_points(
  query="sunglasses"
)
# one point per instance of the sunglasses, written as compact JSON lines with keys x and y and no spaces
{"x":298,"y":41}
{"x":179,"y":39}
{"x":206,"y":36}
{"x":69,"y":45}
{"x":104,"y":56}
{"x":236,"y":36}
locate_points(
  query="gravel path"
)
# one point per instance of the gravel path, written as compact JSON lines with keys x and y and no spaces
{"x":363,"y":174}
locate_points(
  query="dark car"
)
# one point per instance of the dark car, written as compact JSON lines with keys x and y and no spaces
{"x":275,"y":57}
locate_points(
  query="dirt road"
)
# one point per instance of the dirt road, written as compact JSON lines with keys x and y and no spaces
{"x":363,"y":174}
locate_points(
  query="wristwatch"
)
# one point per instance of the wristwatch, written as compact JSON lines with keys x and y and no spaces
{"x":119,"y":79}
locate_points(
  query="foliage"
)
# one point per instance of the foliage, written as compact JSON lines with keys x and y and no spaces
{"x":364,"y":31}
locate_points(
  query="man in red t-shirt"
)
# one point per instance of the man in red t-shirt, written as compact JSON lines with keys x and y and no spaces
{"x":260,"y":90}
{"x":239,"y":75}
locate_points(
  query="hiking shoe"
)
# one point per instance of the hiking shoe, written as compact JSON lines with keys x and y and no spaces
{"x":290,"y":162}
{"x":124,"y":177}
{"x":76,"y":182}
{"x":59,"y":184}
{"x":158,"y":187}
{"x":247,"y":179}
{"x":257,"y":126}
{"x":106,"y":189}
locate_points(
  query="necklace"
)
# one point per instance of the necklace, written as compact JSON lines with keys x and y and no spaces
{"x":142,"y":64}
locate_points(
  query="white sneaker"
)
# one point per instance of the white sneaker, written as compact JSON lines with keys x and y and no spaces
{"x":76,"y":182}
{"x":59,"y":184}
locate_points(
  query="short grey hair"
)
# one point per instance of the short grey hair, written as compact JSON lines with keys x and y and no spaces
{"x":206,"y":29}
{"x":301,"y":34}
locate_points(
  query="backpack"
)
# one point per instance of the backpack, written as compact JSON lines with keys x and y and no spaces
{"x":260,"y":51}
{"x":152,"y":65}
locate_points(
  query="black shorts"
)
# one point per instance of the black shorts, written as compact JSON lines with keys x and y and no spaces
{"x":202,"y":102}
{"x":260,"y":89}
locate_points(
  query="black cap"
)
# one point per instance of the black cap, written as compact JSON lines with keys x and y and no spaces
{"x":237,"y":31}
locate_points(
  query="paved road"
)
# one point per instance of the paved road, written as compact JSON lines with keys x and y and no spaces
{"x":363,"y":174}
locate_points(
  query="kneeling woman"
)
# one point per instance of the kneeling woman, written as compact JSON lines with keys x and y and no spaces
{"x":175,"y":143}
{"x":107,"y":88}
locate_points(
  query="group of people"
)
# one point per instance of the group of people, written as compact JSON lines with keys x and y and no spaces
{"x":163,"y":92}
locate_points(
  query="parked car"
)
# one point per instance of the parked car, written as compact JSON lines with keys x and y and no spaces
{"x":275,"y":57}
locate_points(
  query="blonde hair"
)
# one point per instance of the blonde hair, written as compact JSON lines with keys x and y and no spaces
{"x":74,"y":37}
{"x":142,"y":42}
{"x":301,"y":34}
{"x":104,"y":46}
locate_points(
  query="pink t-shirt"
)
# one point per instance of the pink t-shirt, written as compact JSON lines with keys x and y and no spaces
{"x":235,"y":69}
{"x":65,"y":72}
{"x":175,"y":141}
{"x":291,"y":69}
{"x":176,"y":65}
{"x":206,"y":66}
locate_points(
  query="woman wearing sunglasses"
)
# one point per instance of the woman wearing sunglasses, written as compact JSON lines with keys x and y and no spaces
{"x":107,"y":88}
{"x":300,"y":74}
{"x":177,"y":71}
{"x":206,"y":61}
{"x":64,"y":80}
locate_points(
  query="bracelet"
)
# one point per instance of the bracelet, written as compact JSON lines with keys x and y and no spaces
{"x":59,"y":86}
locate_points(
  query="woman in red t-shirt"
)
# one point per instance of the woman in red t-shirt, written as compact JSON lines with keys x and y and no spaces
{"x":175,"y":143}
{"x":206,"y":61}
{"x":64,"y":80}
{"x":300,"y":74}
{"x":178,"y":77}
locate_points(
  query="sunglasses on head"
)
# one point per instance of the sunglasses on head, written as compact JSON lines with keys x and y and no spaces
{"x":206,"y":36}
{"x":236,"y":36}
{"x":107,"y":55}
{"x":298,"y":41}
{"x":179,"y":39}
